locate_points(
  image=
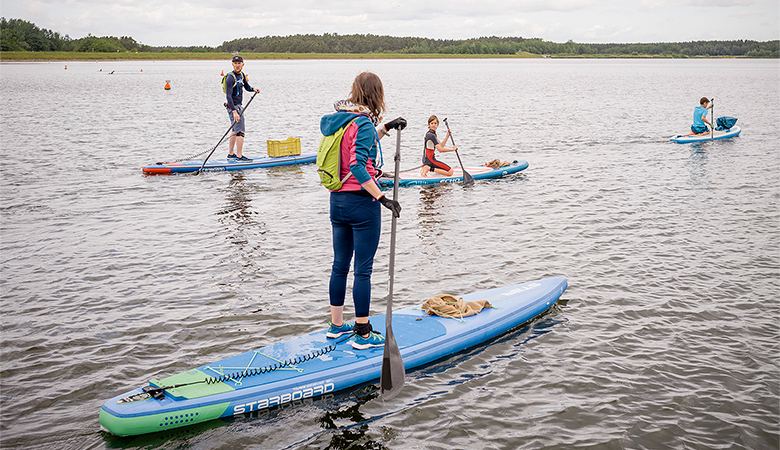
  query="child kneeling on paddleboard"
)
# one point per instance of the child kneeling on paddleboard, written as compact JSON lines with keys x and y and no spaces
{"x":700,"y":118}
{"x":430,"y":163}
{"x":355,"y":213}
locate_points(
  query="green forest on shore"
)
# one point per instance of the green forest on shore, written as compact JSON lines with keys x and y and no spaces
{"x":22,"y":40}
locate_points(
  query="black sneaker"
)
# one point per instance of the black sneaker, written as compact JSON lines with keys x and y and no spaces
{"x":232,"y":157}
{"x":243,"y":159}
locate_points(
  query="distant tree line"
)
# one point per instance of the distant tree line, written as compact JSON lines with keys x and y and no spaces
{"x":369,"y":43}
{"x":20,"y":35}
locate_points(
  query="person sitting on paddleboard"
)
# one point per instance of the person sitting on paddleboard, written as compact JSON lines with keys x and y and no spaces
{"x":355,"y":212}
{"x":431,"y":145}
{"x":700,"y":118}
{"x":234,"y":81}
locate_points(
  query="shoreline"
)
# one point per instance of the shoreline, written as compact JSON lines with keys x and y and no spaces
{"x":175,"y":56}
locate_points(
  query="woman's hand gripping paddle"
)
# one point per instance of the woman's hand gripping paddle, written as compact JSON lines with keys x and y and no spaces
{"x":226,"y":133}
{"x":468,"y":180}
{"x":392,"y":379}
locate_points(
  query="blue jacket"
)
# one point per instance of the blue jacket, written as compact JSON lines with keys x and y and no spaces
{"x":366,"y":151}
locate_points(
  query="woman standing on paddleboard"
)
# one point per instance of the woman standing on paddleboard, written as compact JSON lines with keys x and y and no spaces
{"x":355,"y":213}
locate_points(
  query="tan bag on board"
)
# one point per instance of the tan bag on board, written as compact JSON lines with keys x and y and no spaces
{"x":447,"y":305}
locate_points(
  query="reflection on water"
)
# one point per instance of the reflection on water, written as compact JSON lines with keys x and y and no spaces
{"x":164,"y":439}
{"x":353,"y":434}
{"x":433,"y":199}
{"x":697,"y":165}
{"x":285,"y":172}
{"x":671,"y":254}
{"x":242,"y":228}
{"x":238,"y":215}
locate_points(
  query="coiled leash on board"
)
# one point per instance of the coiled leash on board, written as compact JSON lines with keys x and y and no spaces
{"x":159,"y":392}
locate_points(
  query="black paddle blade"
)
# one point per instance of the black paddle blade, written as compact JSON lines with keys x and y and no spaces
{"x":392,"y":379}
{"x":468,"y":180}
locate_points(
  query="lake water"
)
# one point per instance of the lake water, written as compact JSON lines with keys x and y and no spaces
{"x":668,"y":336}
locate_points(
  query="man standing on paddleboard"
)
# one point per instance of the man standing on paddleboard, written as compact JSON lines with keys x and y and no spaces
{"x":233,"y":84}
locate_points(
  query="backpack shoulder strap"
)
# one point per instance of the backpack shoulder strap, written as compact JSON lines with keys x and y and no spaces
{"x":235,"y":80}
{"x":349,"y":172}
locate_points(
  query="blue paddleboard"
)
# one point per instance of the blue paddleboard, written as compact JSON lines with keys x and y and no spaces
{"x":218,"y":165}
{"x":313,"y":365}
{"x":724,"y":134}
{"x":413,"y":177}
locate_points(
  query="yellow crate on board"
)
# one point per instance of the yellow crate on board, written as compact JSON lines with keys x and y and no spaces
{"x":289,"y":146}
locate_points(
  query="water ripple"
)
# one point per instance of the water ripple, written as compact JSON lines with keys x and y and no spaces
{"x":666,"y":338}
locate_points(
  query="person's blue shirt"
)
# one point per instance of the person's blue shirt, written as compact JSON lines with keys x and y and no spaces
{"x":698,"y":113}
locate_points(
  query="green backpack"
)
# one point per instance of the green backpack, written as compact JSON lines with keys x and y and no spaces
{"x":329,"y":159}
{"x":224,"y":84}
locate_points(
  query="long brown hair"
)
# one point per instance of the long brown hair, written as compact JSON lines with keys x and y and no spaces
{"x":367,"y":90}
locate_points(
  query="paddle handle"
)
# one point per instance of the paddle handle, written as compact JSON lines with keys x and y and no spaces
{"x":392,"y":377}
{"x":397,"y":158}
{"x":452,"y":138}
{"x":712,"y":119}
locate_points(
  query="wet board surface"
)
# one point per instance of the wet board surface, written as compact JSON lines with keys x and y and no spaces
{"x":313,"y":365}
{"x":220,"y":165}
{"x":413,"y":177}
{"x":688,"y":138}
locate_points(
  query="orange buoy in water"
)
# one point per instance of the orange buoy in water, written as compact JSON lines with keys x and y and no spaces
{"x":222,"y":74}
{"x":167,"y":85}
{"x":66,"y":67}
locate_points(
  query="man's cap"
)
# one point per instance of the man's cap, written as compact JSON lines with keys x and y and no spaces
{"x":238,"y":59}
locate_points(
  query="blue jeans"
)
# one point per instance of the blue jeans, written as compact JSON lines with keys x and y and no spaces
{"x":356,"y":223}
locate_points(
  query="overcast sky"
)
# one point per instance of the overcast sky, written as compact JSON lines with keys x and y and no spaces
{"x":210,"y":23}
